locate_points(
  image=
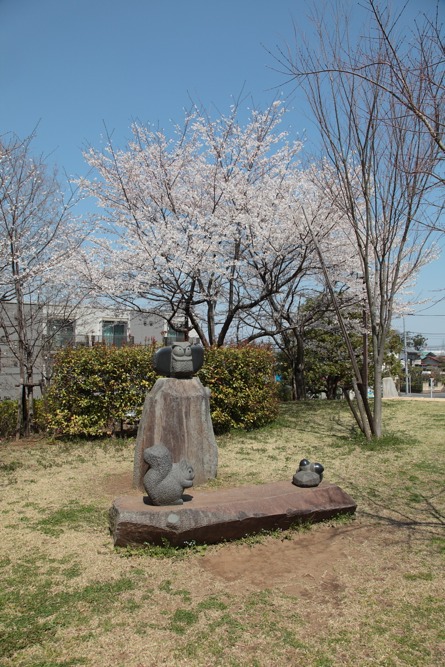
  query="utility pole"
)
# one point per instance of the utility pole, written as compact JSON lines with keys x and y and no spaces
{"x":406,"y":359}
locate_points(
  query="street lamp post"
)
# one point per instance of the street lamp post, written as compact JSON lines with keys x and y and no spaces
{"x":406,"y":359}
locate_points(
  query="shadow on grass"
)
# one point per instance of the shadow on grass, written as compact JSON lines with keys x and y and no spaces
{"x":386,"y":513}
{"x":329,"y":417}
{"x":387,"y":442}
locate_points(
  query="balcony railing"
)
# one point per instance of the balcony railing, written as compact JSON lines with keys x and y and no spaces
{"x":89,"y":340}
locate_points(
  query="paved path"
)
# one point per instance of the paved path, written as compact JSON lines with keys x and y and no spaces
{"x":420,"y":397}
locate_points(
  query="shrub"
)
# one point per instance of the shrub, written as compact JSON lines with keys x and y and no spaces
{"x":8,"y":418}
{"x":94,"y":389}
{"x":244,"y":391}
{"x":39,"y":415}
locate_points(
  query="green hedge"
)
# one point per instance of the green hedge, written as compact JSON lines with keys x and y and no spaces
{"x":93,"y":389}
{"x":242,"y":381}
{"x":8,"y":418}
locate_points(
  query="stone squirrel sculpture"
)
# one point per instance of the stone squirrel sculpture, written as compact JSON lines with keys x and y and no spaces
{"x":165,"y":481}
{"x":308,"y":474}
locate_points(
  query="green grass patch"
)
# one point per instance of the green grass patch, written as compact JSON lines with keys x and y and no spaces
{"x":12,"y":466}
{"x":419,"y":576}
{"x":375,"y":597}
{"x":166,"y":586}
{"x":438,"y":544}
{"x":215,"y":625}
{"x":388,"y":442}
{"x":182,"y":619}
{"x":75,"y":517}
{"x":32,"y":612}
{"x":162,"y":551}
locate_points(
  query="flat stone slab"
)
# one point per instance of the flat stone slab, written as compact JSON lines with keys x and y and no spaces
{"x":225,"y":514}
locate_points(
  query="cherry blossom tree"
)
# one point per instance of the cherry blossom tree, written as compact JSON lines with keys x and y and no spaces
{"x":203,"y":224}
{"x":39,"y":239}
{"x":284,"y":316}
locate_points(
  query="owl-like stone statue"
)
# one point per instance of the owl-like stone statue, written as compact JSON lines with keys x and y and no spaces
{"x":180,"y":360}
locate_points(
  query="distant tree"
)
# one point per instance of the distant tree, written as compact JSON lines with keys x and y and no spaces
{"x":414,"y":340}
{"x":415,"y":384}
{"x":392,"y":362}
{"x":39,"y":240}
{"x":328,"y":366}
{"x":302,"y":323}
{"x":437,"y":374}
{"x":283,"y":318}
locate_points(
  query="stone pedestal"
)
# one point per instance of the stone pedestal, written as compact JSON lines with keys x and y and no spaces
{"x":176,"y":414}
{"x":227,"y":514}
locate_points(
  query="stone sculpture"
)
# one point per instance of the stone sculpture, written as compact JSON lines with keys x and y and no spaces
{"x":177,"y":413}
{"x":308,"y":474}
{"x":179,"y":360}
{"x":165,"y":481}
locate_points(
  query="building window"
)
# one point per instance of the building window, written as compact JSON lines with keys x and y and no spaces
{"x":114,"y":333}
{"x":60,"y":333}
{"x":174,"y":336}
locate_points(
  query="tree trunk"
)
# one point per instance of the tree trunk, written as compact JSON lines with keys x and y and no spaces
{"x":363,"y":409}
{"x":378,"y":403}
{"x":298,"y":369}
{"x":29,"y":422}
{"x":331,"y":388}
{"x":20,"y":405}
{"x":294,"y":386}
{"x":22,"y":412}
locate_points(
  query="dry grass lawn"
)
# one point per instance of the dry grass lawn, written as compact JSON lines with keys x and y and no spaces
{"x":368,"y":591}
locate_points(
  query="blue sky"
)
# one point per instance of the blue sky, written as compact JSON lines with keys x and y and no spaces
{"x":69,"y":66}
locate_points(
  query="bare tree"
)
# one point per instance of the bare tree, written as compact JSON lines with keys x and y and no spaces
{"x":412,"y":70}
{"x":39,"y":238}
{"x":378,"y":170}
{"x":407,"y":62}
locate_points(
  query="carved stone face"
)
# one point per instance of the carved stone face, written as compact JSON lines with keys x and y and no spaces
{"x":181,"y":350}
{"x":181,"y":360}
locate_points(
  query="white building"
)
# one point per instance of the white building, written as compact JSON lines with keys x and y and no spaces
{"x":85,"y":326}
